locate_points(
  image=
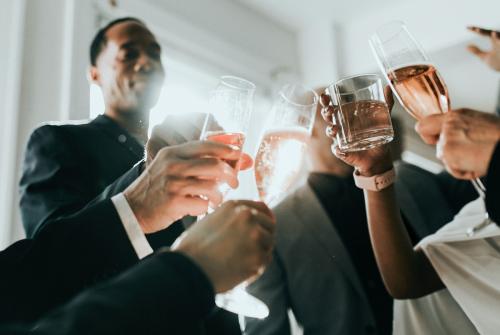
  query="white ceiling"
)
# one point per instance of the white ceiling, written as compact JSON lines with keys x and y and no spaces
{"x":296,"y":14}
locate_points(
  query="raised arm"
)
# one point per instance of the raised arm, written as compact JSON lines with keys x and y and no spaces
{"x":407,"y":273}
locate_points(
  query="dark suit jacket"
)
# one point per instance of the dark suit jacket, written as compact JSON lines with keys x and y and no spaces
{"x":166,"y":294}
{"x":67,"y":256}
{"x":69,"y":166}
{"x":66,"y":166}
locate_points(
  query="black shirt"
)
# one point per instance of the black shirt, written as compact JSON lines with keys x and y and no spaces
{"x":344,"y":204}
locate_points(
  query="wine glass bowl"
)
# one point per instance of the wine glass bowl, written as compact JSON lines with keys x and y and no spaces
{"x":414,"y":80}
{"x":279,"y":158}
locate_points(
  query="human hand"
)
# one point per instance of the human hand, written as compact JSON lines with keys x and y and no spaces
{"x":465,"y":140}
{"x":231,"y":244}
{"x":492,"y":56}
{"x":181,"y":180}
{"x":179,"y":129}
{"x":368,"y":162}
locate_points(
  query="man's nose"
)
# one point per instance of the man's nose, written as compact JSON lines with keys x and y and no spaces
{"x":143,"y":63}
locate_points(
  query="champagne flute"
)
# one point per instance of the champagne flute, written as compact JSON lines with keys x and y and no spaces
{"x":283,"y":142}
{"x":280,"y":156}
{"x":414,"y":80}
{"x":227,"y":121}
{"x":230,"y":109}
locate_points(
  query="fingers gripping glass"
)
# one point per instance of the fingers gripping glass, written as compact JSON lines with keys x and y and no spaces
{"x":414,"y":79}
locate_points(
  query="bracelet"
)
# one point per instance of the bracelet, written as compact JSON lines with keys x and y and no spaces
{"x":376,"y":182}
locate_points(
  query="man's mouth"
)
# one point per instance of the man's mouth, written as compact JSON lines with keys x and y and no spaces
{"x":142,"y":82}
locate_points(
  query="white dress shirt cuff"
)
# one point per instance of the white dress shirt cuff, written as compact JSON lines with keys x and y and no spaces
{"x":132,"y":227}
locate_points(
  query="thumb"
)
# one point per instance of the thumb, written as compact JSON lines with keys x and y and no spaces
{"x":429,"y":128}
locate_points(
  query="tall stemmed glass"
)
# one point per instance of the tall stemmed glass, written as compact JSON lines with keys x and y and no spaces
{"x":279,"y":158}
{"x":414,"y":80}
{"x":230,"y":109}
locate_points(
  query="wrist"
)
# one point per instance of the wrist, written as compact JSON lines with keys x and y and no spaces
{"x":136,"y":209}
{"x":379,"y":168}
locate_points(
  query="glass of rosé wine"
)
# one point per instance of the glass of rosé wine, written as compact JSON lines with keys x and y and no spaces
{"x":414,"y":80}
{"x":230,"y":109}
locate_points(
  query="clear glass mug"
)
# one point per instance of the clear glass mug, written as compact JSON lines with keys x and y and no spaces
{"x":360,"y":113}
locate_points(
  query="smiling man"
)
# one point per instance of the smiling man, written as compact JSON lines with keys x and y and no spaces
{"x":66,"y":166}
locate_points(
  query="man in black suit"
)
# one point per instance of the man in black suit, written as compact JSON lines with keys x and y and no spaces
{"x":66,"y":166}
{"x":171,"y":293}
{"x":76,"y":252}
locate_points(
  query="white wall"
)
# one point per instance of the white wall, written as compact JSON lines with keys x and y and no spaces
{"x":11,"y":30}
{"x":470,"y":82}
{"x":218,"y":34}
{"x":439,"y":26}
{"x":45,"y":80}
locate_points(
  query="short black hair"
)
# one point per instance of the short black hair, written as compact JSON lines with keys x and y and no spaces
{"x":99,"y":41}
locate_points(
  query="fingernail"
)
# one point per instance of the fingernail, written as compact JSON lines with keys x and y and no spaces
{"x":234,"y":147}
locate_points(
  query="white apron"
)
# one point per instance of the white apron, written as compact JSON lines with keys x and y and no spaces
{"x":470,"y":269}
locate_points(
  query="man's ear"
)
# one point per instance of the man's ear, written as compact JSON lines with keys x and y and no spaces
{"x":94,"y":75}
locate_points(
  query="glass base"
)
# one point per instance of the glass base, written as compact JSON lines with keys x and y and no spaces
{"x":240,"y":302}
{"x":365,"y":144}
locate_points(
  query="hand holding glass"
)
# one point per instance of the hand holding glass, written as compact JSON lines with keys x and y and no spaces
{"x":414,"y":79}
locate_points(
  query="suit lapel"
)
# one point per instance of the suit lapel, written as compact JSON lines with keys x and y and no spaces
{"x":119,"y":135}
{"x":309,"y":211}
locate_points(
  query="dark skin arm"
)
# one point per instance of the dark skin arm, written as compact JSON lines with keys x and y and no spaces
{"x":407,"y":272}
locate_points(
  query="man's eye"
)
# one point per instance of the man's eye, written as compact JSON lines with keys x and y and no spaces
{"x":155,"y":54}
{"x":130,"y":54}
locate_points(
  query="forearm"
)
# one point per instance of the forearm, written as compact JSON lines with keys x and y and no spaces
{"x":407,"y":273}
{"x":166,"y":294}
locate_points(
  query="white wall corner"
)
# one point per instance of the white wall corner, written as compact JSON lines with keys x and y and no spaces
{"x":79,"y":28}
{"x":12,"y":30}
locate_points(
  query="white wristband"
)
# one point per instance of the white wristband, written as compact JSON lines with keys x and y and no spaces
{"x":375,"y":183}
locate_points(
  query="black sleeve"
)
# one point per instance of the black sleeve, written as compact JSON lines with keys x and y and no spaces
{"x":457,"y":193}
{"x":166,"y":294}
{"x":120,"y":184}
{"x":493,"y":186}
{"x":52,"y":184}
{"x":67,"y":256}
